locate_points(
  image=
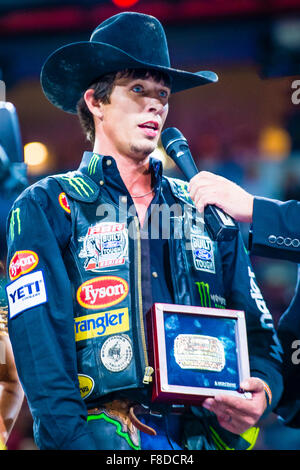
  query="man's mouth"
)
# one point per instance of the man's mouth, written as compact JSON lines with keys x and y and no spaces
{"x":150,"y":125}
{"x":150,"y":128}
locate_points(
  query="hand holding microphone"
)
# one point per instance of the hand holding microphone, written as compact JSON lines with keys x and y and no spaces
{"x":220,"y":225}
{"x":208,"y":188}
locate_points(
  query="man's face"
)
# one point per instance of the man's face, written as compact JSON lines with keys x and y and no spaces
{"x":133,"y":119}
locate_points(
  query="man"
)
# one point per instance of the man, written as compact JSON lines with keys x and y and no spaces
{"x":275,"y":232}
{"x":81,"y":260}
{"x":11,"y":393}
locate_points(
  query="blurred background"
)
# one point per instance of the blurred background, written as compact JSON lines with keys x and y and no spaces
{"x":246,"y":127}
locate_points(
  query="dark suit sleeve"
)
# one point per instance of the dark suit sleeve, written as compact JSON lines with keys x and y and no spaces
{"x":243,"y":293}
{"x":275,"y":229}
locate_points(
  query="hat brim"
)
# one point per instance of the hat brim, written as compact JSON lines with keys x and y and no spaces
{"x":70,"y":70}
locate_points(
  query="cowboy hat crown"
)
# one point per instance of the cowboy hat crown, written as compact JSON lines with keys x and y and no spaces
{"x":140,"y":36}
{"x":128,"y":40}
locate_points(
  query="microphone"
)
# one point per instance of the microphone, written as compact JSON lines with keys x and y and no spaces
{"x":220,"y":225}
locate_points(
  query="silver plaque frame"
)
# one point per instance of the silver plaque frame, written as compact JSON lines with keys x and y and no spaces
{"x":162,"y":389}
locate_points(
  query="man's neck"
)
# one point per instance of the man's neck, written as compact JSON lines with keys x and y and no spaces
{"x":133,"y":171}
{"x":136,"y":176}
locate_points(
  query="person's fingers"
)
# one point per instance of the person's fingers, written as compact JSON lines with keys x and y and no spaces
{"x":207,"y":188}
{"x":240,"y":406}
{"x":201,"y":200}
{"x":253,"y":384}
{"x":203,"y":180}
{"x":230,"y":418}
{"x":227,"y":405}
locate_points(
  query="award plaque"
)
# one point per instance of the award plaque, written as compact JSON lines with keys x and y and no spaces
{"x":196,"y":352}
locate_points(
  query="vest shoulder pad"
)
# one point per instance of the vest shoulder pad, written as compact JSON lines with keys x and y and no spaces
{"x":78,"y":186}
{"x":179,"y":190}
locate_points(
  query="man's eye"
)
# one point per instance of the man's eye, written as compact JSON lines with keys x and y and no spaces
{"x":137,"y":88}
{"x":163,"y":94}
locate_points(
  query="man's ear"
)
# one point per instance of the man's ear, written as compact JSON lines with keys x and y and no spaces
{"x":94,"y":105}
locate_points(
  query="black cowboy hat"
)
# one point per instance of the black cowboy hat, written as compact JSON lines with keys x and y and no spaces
{"x":127,"y":40}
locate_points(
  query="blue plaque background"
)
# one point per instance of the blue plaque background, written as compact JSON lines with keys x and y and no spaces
{"x":219,"y":327}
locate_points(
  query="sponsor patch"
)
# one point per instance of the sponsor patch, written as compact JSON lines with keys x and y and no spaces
{"x":203,"y":253}
{"x":21,"y":263}
{"x":206,"y":297}
{"x":63,"y":201}
{"x":101,"y":324}
{"x":266,"y":318}
{"x":86,"y":385}
{"x":116,"y":353}
{"x":102,"y":292}
{"x":26,"y":292}
{"x":104,"y":245}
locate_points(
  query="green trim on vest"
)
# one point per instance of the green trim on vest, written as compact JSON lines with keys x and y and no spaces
{"x":249,"y":436}
{"x":119,"y":431}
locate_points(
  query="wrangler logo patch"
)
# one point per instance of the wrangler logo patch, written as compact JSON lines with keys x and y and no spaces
{"x":101,"y":324}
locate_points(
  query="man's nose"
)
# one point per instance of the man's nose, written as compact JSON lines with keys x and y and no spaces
{"x":154,"y":105}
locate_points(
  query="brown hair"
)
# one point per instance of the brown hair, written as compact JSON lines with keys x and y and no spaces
{"x":103,"y":88}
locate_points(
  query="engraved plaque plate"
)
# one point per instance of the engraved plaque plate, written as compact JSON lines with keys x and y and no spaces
{"x":196,"y":352}
{"x":199,"y":352}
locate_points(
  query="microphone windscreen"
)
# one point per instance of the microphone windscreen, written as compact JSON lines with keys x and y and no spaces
{"x":169,"y":135}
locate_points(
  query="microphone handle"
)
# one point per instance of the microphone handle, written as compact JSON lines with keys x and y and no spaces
{"x":220,"y":226}
{"x":186,"y":164}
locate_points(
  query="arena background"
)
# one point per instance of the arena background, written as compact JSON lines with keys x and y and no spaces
{"x":246,"y":127}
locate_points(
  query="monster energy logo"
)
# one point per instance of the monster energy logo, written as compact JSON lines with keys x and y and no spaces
{"x":206,"y":297}
{"x":203,"y":289}
{"x":15,"y":222}
{"x":93,"y":164}
{"x":79,"y":184}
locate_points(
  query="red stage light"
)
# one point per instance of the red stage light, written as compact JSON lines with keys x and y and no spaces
{"x":124,"y":3}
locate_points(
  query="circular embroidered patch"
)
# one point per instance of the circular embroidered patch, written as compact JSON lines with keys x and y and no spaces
{"x":116,"y":353}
